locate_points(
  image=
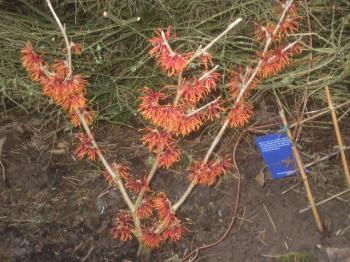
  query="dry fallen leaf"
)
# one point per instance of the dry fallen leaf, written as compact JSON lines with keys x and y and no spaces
{"x":260,"y":178}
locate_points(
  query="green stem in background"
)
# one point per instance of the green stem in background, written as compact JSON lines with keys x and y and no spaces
{"x":121,"y":22}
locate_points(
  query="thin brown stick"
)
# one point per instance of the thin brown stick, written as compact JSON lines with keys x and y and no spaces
{"x":302,"y":173}
{"x":338,"y":135}
{"x":270,"y":218}
{"x":318,"y":114}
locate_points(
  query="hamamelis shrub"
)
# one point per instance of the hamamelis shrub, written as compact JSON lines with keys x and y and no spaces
{"x":172,"y":111}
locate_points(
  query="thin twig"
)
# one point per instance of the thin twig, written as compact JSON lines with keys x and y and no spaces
{"x":166,"y":43}
{"x":87,"y":255}
{"x":272,"y":223}
{"x":318,"y":160}
{"x":63,"y":31}
{"x":2,"y":142}
{"x":204,"y":76}
{"x":324,"y":201}
{"x":201,"y":50}
{"x":289,"y":189}
{"x":310,"y":38}
{"x":121,"y":22}
{"x":202,"y":107}
{"x":326,"y":110}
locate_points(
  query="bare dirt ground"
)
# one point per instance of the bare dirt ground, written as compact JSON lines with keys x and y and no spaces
{"x":53,"y":208}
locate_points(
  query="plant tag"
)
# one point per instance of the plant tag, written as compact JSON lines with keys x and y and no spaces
{"x":276,"y":150}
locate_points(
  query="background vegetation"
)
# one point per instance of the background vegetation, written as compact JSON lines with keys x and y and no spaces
{"x":115,"y":55}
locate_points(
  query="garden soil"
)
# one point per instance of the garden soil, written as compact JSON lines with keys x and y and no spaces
{"x":56,"y":208}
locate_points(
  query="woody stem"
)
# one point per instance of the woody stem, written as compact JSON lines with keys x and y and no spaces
{"x":64,"y":33}
{"x":178,"y":90}
{"x":237,"y":100}
{"x":148,"y":180}
{"x":103,"y":160}
{"x":202,"y":107}
{"x":114,"y":174}
{"x":201,"y":50}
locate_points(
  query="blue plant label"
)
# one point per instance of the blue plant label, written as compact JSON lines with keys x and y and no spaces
{"x":276,"y":150}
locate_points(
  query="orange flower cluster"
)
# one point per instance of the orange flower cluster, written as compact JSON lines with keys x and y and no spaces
{"x":33,"y":63}
{"x":77,"y":48}
{"x":158,"y":44}
{"x":171,"y":118}
{"x":240,"y":114}
{"x":195,"y":90}
{"x":121,"y":169}
{"x":173,"y":63}
{"x":169,"y":156}
{"x":206,"y":59}
{"x":85,"y":148}
{"x":166,"y":219}
{"x":135,"y":185}
{"x":174,"y":233}
{"x":214,"y":111}
{"x":146,"y":209}
{"x":88,"y":116}
{"x":161,"y":142}
{"x":169,"y":61}
{"x":151,"y":239}
{"x":289,"y":25}
{"x":123,"y":228}
{"x":67,"y":91}
{"x":207,"y":173}
{"x":157,"y":140}
{"x":291,"y":22}
{"x":163,"y":208}
{"x":275,"y":60}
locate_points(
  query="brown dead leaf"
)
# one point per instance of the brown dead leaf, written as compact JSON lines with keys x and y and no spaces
{"x":260,"y":178}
